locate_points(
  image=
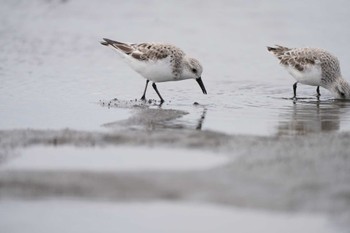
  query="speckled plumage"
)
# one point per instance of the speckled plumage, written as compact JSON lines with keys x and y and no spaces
{"x":156,"y":51}
{"x":158,"y":62}
{"x":313,"y":66}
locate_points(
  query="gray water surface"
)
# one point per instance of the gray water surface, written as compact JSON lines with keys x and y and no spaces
{"x":79,"y":216}
{"x":54,"y":72}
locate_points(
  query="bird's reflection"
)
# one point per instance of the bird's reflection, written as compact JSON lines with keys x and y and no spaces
{"x":305,"y":117}
{"x":201,"y":119}
{"x":152,"y":117}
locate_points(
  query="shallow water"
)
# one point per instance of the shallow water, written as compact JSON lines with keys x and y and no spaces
{"x":56,"y":78}
{"x":80,"y":216}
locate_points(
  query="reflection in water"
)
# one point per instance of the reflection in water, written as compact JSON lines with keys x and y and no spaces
{"x":145,"y":115}
{"x":306,"y":117}
{"x":201,"y":120}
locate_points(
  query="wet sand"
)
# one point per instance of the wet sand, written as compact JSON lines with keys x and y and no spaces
{"x":307,"y":174}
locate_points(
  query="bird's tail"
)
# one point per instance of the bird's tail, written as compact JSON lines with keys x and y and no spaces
{"x":123,"y":47}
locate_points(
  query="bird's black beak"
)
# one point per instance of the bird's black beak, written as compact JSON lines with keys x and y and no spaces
{"x":199,"y":81}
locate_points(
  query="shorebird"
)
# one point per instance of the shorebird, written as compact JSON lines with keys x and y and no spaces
{"x":315,"y":67}
{"x":158,"y":62}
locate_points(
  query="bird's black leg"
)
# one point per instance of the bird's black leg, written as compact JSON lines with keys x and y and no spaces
{"x":155,"y":88}
{"x":295,"y":90}
{"x":144,"y":93}
{"x":318,"y":91}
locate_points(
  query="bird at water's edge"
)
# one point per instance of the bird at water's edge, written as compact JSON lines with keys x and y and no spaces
{"x":315,"y":67}
{"x":158,"y":62}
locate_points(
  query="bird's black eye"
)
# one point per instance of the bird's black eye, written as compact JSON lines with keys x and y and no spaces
{"x":342,"y":94}
{"x":194,"y":70}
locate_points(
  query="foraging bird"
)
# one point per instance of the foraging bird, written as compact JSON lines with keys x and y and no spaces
{"x":158,"y":62}
{"x":315,"y":67}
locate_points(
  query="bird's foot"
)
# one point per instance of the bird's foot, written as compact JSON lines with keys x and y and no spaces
{"x":161,"y":102}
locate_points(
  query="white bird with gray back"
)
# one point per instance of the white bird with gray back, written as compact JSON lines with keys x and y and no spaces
{"x":315,"y":67}
{"x":158,"y":62}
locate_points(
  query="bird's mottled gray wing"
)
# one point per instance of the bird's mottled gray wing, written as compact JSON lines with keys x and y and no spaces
{"x":300,"y":59}
{"x":155,"y":51}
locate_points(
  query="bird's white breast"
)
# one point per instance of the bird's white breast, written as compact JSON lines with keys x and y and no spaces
{"x":311,"y":75}
{"x":153,"y":70}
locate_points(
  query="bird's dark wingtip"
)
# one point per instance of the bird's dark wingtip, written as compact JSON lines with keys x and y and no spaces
{"x":107,"y":42}
{"x":110,"y":42}
{"x":270,"y":48}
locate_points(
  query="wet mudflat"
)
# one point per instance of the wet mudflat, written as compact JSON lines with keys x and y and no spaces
{"x":246,"y":146}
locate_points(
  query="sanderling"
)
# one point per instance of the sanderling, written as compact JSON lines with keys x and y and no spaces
{"x":315,"y":67}
{"x":158,"y":62}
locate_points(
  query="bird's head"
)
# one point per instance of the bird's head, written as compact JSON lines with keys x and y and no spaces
{"x":193,"y":70}
{"x":341,"y":89}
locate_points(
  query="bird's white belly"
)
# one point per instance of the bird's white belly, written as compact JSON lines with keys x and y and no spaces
{"x":156,"y":71}
{"x":310,"y":76}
